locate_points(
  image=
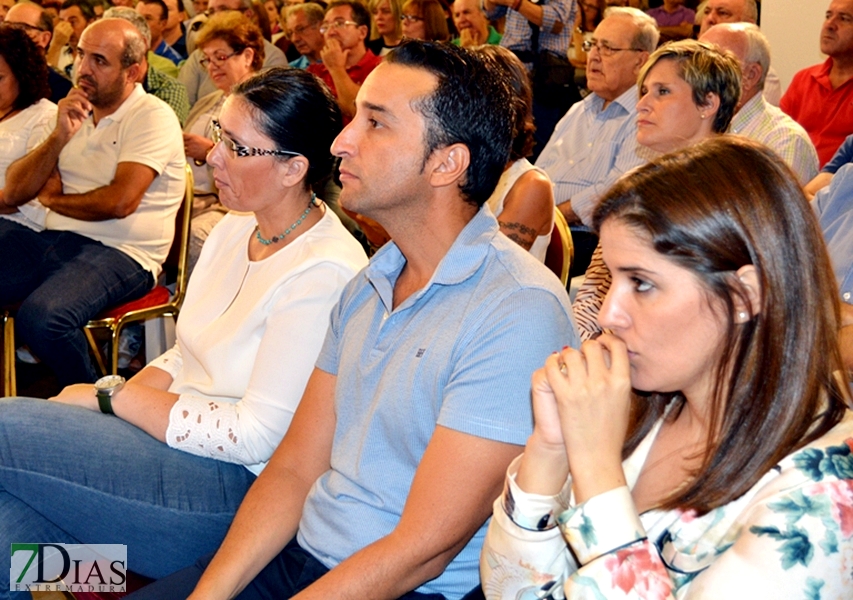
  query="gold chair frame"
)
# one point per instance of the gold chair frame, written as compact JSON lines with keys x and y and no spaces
{"x":115,"y":325}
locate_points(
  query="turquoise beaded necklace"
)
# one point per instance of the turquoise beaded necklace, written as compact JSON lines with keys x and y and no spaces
{"x":277,"y":238}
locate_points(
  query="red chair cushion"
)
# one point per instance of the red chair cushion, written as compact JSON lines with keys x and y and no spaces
{"x":159,"y":295}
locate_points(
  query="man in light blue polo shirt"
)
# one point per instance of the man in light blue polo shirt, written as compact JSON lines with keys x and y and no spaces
{"x":420,"y":397}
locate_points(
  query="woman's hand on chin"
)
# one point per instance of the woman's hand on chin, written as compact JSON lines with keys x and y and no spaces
{"x":592,"y":387}
{"x":78,"y":394}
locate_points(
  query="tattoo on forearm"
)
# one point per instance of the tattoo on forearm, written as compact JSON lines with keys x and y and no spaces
{"x":519,"y":233}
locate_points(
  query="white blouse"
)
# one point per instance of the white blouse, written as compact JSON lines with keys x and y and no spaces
{"x":248,"y":336}
{"x":18,"y":136}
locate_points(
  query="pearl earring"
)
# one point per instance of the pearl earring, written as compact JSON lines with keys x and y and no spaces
{"x":742,"y":315}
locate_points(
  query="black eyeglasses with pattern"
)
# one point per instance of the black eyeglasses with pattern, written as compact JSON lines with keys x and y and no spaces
{"x":238,"y":150}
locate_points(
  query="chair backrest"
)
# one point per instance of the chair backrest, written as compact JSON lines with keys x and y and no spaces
{"x":178,"y":258}
{"x":560,"y":252}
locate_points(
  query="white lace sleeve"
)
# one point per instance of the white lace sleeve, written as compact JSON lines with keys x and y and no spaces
{"x":207,"y":429}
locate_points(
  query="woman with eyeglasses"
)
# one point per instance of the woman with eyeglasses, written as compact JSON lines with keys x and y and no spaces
{"x":425,"y":20}
{"x":233,"y":49}
{"x":166,"y":471}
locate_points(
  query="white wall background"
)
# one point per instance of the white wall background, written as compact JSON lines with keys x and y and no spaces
{"x":793,"y":28}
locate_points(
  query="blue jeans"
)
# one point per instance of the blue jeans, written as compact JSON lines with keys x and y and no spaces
{"x":63,"y":280}
{"x":70,"y":475}
{"x":290,"y":572}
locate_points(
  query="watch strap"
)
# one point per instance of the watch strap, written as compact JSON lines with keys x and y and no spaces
{"x":105,"y":401}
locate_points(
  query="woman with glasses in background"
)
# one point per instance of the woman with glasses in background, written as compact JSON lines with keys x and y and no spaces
{"x":425,"y":20}
{"x":233,"y":50}
{"x":166,"y":471}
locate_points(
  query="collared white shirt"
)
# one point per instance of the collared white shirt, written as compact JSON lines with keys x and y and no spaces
{"x":591,"y":148}
{"x":142,"y":130}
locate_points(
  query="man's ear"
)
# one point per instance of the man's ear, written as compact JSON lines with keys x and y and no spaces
{"x":750,"y":76}
{"x":748,"y":303}
{"x":44,"y":37}
{"x":641,"y":59}
{"x":449,"y":165}
{"x":135,"y":73}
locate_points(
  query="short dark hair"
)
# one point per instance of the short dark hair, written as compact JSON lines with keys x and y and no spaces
{"x":28,"y":65}
{"x":470,"y":106}
{"x":45,"y":21}
{"x":297,"y":112}
{"x":164,"y":10}
{"x":708,"y":69}
{"x":359,"y":11}
{"x":85,"y":7}
{"x":711,"y":209}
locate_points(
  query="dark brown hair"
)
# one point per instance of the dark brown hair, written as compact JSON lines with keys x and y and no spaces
{"x":435,"y":21}
{"x":522,"y":129}
{"x":28,"y":66}
{"x":713,"y":208}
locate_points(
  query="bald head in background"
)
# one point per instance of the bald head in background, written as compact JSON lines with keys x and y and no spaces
{"x":37,"y":24}
{"x":728,"y":11}
{"x":754,"y":118}
{"x":733,"y":37}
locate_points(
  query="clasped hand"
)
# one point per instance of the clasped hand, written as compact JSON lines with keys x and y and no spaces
{"x":470,"y":37}
{"x":581,"y":402}
{"x":78,"y":394}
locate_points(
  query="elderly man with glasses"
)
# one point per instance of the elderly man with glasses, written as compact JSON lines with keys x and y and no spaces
{"x":596,"y":141}
{"x":346,"y":60}
{"x":302,"y":27}
{"x":33,"y":19}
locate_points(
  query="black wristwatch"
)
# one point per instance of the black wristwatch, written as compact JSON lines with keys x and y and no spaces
{"x":105,"y":387}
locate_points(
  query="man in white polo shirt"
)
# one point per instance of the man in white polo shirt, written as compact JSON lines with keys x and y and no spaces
{"x":111,"y":176}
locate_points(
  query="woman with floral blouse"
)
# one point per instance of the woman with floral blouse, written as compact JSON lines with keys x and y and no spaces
{"x":727,"y":471}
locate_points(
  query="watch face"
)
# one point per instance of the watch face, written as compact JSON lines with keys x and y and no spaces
{"x":110,"y":381}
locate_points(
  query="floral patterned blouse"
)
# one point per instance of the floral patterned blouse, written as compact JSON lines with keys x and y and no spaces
{"x":790,"y":536}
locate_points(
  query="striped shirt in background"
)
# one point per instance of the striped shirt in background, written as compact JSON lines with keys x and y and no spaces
{"x":556,"y":14}
{"x":590,"y":297}
{"x":760,"y":121}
